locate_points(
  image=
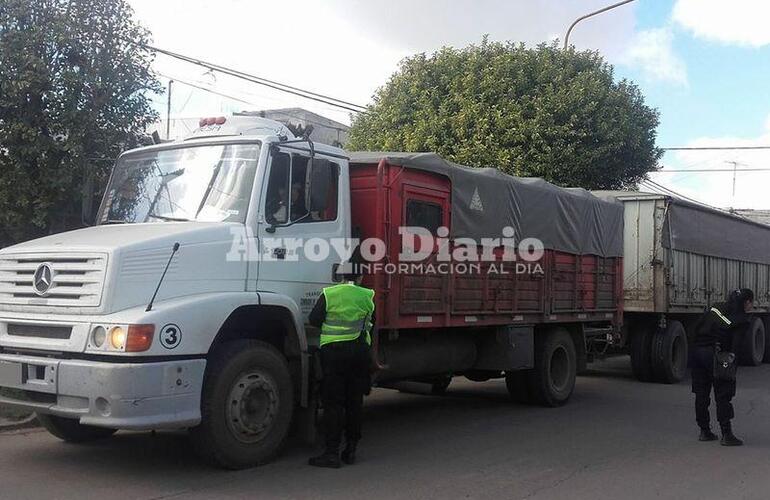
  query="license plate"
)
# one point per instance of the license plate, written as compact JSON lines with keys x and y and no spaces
{"x":10,"y":374}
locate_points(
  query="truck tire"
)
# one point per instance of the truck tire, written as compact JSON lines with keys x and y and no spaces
{"x":669,"y":353}
{"x":72,"y":431}
{"x":641,"y":346}
{"x":766,"y":357}
{"x":518,"y":387}
{"x":246,"y":405}
{"x":752,"y":344}
{"x":439,"y":387}
{"x":552,"y":380}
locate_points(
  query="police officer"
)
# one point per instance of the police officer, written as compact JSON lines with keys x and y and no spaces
{"x":345,"y":314}
{"x":719,"y":325}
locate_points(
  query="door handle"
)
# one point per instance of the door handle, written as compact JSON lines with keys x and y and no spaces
{"x":279,"y":253}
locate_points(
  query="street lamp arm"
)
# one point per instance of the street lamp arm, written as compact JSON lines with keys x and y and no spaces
{"x":604,"y":9}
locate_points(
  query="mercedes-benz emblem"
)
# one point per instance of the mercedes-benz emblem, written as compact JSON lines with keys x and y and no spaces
{"x":43,"y":279}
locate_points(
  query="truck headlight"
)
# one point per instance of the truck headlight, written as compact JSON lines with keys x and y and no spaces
{"x":98,"y":336}
{"x":118,"y":338}
{"x":122,"y":338}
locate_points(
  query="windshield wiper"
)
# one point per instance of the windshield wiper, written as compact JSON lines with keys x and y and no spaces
{"x":207,"y":193}
{"x":166,"y":218}
{"x":113,"y":221}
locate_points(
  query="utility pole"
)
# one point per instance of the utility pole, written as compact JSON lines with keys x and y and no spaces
{"x":168,"y":111}
{"x":591,"y":14}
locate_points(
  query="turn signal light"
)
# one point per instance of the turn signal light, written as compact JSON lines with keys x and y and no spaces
{"x":139,"y":338}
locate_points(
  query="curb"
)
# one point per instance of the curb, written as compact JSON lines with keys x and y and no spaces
{"x":30,"y":421}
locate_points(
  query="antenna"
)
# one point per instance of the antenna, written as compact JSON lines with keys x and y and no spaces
{"x":173,"y":252}
{"x":735,"y":173}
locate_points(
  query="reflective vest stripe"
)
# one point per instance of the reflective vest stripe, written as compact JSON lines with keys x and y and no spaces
{"x":721,"y":316}
{"x":356,"y":326}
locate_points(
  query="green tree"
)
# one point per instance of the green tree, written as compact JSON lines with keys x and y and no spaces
{"x":74,"y":92}
{"x":540,"y":112}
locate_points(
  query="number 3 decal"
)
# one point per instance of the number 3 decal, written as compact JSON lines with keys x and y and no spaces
{"x":170,"y":336}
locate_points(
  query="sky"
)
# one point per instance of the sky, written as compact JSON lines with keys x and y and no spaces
{"x":704,"y":64}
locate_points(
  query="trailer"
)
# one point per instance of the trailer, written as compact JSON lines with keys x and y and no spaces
{"x":679,"y":259}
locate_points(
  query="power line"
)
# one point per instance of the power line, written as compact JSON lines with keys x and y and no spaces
{"x":314,"y":96}
{"x":671,"y":192}
{"x":205,"y":89}
{"x":713,"y":148}
{"x":706,"y":170}
{"x":227,"y":96}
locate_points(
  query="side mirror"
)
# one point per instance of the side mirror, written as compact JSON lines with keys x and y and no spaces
{"x":320,"y":182}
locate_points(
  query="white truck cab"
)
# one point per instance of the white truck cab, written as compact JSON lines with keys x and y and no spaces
{"x":161,"y":315}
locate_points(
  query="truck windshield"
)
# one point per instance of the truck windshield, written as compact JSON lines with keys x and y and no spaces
{"x":210,"y":183}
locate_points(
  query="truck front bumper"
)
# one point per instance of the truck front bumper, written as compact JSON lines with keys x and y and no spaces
{"x":119,"y":395}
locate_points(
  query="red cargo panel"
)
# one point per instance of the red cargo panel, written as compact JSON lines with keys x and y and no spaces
{"x":582,"y":288}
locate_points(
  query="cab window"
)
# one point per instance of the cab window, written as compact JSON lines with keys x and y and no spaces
{"x":298,"y":193}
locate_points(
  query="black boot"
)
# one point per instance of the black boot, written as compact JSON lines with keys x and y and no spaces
{"x":728,"y":438}
{"x":349,"y":453}
{"x":707,"y":435}
{"x":329,"y":459}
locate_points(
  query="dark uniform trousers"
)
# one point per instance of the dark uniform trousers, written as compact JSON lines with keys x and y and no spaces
{"x":345,"y":382}
{"x":702,"y":383}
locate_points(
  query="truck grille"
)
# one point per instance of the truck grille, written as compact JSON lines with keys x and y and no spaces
{"x":75,"y":280}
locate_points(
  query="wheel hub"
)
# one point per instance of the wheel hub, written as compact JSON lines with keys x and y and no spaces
{"x":252,"y":406}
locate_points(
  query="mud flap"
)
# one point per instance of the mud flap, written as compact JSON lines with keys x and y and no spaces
{"x":307,"y":420}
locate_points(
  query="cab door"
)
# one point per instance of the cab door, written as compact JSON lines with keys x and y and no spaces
{"x":301,"y":213}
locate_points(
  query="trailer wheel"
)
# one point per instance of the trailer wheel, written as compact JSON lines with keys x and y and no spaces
{"x":552,"y":380}
{"x":641,"y":346}
{"x":766,"y":357}
{"x":752,"y":344}
{"x":72,"y":431}
{"x":518,"y":388}
{"x":669,"y":353}
{"x":246,"y":405}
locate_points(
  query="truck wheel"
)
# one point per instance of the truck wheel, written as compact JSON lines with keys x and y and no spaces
{"x":246,"y":405}
{"x":751,"y":347}
{"x":669,"y":353}
{"x":518,"y":388}
{"x":439,"y":387}
{"x":552,"y":380}
{"x":641,"y":345}
{"x":72,"y":431}
{"x":766,"y":357}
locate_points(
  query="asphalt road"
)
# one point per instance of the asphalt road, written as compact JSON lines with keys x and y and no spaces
{"x":617,"y":438}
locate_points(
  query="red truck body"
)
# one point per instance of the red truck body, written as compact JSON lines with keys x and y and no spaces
{"x":572,"y":288}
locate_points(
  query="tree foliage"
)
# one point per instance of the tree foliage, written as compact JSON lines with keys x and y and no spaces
{"x":74,"y":92}
{"x":538,"y":111}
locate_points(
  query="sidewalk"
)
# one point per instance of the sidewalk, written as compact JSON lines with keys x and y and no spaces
{"x":12,"y":418}
{"x":14,"y":423}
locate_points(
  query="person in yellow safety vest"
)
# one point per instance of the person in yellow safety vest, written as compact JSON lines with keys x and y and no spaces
{"x":345,"y":314}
